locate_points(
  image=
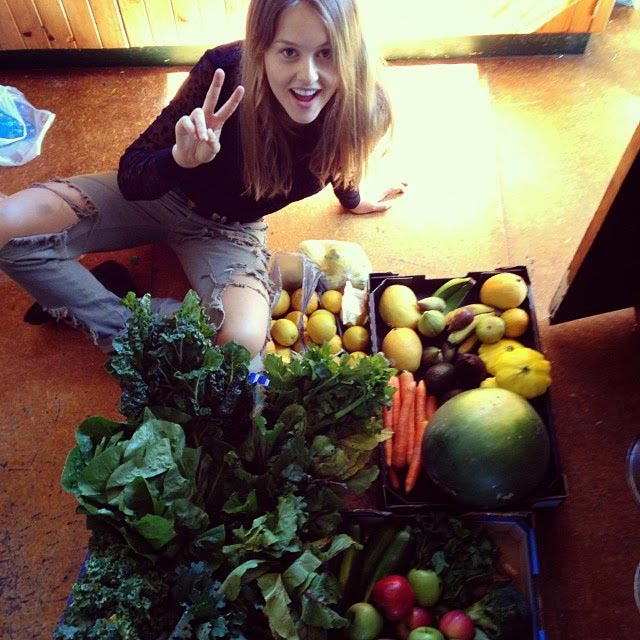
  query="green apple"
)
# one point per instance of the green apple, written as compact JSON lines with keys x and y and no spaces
{"x":425,"y":633}
{"x":426,"y":585}
{"x":365,"y":622}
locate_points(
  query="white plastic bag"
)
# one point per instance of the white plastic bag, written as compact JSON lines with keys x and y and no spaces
{"x":22,"y":128}
{"x":340,"y":262}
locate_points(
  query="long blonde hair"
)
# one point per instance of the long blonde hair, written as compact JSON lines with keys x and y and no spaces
{"x":353,"y":122}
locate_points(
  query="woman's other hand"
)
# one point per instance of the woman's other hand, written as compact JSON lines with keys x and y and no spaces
{"x":198,"y":134}
{"x":382,"y":203}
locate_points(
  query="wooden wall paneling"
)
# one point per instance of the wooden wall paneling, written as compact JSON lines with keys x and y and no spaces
{"x":28,"y":22}
{"x":55,"y":23}
{"x":10,"y":36}
{"x":162,"y":22}
{"x":560,"y":23}
{"x":215,"y":22}
{"x":107,"y":17}
{"x":136,"y":22}
{"x":189,"y":22}
{"x":82,"y":23}
{"x":602,"y":14}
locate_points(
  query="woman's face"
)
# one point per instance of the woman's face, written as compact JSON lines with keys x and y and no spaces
{"x":299,"y":64}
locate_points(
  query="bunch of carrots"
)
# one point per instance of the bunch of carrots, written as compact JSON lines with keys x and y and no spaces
{"x":407,"y":416}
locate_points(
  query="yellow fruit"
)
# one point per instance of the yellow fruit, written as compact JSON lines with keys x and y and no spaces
{"x":326,"y":312}
{"x":296,"y":301}
{"x":516,"y":322}
{"x":296,"y":317}
{"x":356,"y":338}
{"x":331,"y":300}
{"x":284,"y":332}
{"x":335,"y":344}
{"x":269,"y":347}
{"x":322,"y":327}
{"x":354,"y":357}
{"x":504,"y":290}
{"x":489,"y":353}
{"x":489,"y":383}
{"x":398,"y":306}
{"x":403,"y":348}
{"x":283,"y":301}
{"x":284,"y":353}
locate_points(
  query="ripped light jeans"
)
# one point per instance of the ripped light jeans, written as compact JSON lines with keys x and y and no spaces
{"x":211,"y":253}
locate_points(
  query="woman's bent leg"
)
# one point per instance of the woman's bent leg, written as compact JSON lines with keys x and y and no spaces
{"x":227,"y":265}
{"x":60,"y":221}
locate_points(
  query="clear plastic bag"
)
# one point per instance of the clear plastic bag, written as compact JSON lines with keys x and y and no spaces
{"x":22,"y":128}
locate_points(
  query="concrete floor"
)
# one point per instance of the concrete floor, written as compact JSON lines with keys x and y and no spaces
{"x":507,"y":160}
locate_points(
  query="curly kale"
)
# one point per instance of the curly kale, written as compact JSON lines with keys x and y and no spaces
{"x":119,"y":594}
{"x":503,"y":613}
{"x":171,"y":362}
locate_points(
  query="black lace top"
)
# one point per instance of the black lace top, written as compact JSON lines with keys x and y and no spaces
{"x":147,"y":169}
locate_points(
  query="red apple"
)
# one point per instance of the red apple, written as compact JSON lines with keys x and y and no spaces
{"x":457,"y":625}
{"x":395,"y":596}
{"x":418,"y":617}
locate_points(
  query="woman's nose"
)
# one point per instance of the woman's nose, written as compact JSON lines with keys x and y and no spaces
{"x":308,"y":71}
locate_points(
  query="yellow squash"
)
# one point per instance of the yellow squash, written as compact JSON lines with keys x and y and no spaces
{"x":524,"y":371}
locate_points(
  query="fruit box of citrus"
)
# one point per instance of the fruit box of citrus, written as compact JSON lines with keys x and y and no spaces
{"x":478,"y":558}
{"x":454,"y":362}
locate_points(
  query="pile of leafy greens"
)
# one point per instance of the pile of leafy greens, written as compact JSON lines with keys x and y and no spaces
{"x":230,"y":491}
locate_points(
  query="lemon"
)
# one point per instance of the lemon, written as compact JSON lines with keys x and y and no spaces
{"x":403,"y":348}
{"x":516,"y":322}
{"x":354,"y":357}
{"x":269,"y":347}
{"x":335,"y":344}
{"x":319,"y":312}
{"x":356,"y":338}
{"x":297,"y":298}
{"x":284,"y":353}
{"x":331,"y":300}
{"x":504,"y":290}
{"x":297,"y":317}
{"x":283,"y":301}
{"x":284,"y":332}
{"x":322,"y":327}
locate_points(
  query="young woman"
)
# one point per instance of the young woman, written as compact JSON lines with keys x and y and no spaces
{"x":258,"y":124}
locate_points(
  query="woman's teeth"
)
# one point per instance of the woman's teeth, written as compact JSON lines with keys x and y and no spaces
{"x":304,"y":94}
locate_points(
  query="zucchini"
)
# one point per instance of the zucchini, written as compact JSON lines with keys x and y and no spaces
{"x":374,"y":550}
{"x":392,"y":560}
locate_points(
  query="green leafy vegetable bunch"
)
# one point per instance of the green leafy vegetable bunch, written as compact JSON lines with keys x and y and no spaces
{"x":234,"y":489}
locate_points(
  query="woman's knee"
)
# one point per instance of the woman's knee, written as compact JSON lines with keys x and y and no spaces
{"x":246,"y":318}
{"x":34,"y":211}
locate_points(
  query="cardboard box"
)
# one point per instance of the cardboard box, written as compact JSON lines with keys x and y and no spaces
{"x":514,"y":535}
{"x":552,"y":490}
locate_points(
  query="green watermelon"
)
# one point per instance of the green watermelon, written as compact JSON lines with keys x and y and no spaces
{"x":487,"y":448}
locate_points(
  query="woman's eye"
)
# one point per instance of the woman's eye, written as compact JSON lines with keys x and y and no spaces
{"x":324,"y":53}
{"x":288,"y":52}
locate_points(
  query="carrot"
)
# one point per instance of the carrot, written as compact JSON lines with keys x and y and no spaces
{"x":405,"y":419}
{"x":395,"y":403}
{"x":389,"y":420}
{"x":394,"y":479}
{"x":416,"y":459}
{"x":421,"y":402}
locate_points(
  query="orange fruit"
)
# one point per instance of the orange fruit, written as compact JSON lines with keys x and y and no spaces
{"x":516,"y":322}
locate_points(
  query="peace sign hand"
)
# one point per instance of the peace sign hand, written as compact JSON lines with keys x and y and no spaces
{"x":198,"y":134}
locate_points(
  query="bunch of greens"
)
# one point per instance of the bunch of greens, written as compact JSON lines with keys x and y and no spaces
{"x":236,"y":490}
{"x":465,"y":557}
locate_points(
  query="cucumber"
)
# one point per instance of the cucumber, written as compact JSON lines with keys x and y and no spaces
{"x":392,"y":560}
{"x":374,"y":550}
{"x":346,"y":571}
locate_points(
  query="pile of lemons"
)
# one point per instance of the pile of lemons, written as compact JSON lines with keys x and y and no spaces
{"x":295,"y":325}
